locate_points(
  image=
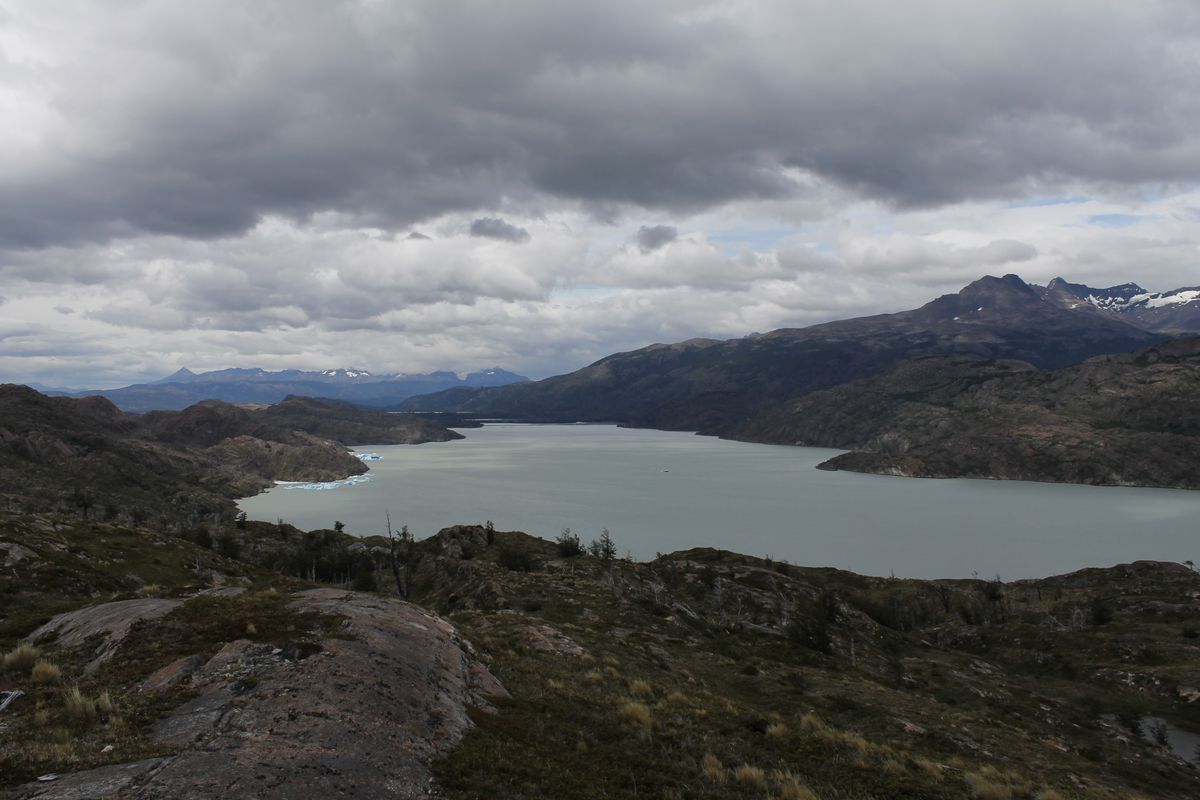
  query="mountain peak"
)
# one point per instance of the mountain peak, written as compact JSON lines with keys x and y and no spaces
{"x":989,"y":284}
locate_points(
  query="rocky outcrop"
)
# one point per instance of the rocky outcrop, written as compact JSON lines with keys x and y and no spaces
{"x":361,"y":713}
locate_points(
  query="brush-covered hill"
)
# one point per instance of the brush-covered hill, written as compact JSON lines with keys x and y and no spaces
{"x":60,"y":453}
{"x":1130,"y":419}
{"x":716,"y":386}
{"x":522,"y":667}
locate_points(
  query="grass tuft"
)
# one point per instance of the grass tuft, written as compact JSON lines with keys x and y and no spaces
{"x":750,"y":775}
{"x":639,"y":714}
{"x":712,"y":768}
{"x":20,"y":659}
{"x":45,"y":672}
{"x":79,"y":708}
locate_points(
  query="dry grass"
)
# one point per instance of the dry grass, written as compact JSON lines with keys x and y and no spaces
{"x":639,"y":714}
{"x":640,"y":688}
{"x":20,"y":659}
{"x":810,"y":723}
{"x":45,"y":672}
{"x":792,"y":788}
{"x":79,"y":708}
{"x":1048,"y":794}
{"x":712,"y":768}
{"x":679,"y":699}
{"x":594,"y":676}
{"x":777,"y":730}
{"x":750,"y":775}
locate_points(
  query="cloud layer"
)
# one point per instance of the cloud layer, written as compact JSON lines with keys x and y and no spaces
{"x":537,"y":184}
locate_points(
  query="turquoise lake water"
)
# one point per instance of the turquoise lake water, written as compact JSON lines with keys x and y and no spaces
{"x":660,"y":491}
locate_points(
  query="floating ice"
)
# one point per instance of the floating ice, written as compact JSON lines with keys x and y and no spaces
{"x":369,"y":456}
{"x":353,"y":480}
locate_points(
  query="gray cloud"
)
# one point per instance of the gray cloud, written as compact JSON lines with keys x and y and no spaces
{"x":496,"y":228}
{"x":277,"y":183}
{"x":656,"y":236}
{"x":194,"y":138}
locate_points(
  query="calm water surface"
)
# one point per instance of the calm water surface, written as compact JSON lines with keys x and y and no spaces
{"x":660,"y":491}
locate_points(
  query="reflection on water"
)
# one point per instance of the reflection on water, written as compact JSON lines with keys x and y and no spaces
{"x":662,"y":491}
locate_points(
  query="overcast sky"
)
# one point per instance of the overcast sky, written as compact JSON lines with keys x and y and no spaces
{"x":408,"y":185}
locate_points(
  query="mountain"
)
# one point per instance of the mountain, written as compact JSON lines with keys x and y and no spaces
{"x":716,"y":386}
{"x":1177,"y":311}
{"x":1128,"y":419}
{"x":241,"y":385}
{"x":179,"y":462}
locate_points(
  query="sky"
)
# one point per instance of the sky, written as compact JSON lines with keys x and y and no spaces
{"x":534,"y":184}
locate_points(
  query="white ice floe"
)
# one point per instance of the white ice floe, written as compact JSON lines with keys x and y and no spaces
{"x":369,"y":456}
{"x":353,"y":480}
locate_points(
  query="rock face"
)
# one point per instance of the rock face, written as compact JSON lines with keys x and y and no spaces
{"x":363,"y":716}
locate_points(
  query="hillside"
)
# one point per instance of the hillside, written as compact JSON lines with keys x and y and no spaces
{"x":59,"y":453}
{"x":530,"y":669}
{"x":716,"y":386}
{"x":1130,"y":419}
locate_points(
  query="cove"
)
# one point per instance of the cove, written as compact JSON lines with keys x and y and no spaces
{"x":659,"y":491}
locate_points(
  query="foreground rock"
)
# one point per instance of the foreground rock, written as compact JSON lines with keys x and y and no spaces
{"x":359,"y":713}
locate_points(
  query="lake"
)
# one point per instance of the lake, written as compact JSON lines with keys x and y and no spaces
{"x":660,"y":491}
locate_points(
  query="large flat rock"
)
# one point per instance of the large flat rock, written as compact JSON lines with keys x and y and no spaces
{"x":362,"y":717}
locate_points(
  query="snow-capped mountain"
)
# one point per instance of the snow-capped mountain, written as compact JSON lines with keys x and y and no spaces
{"x":1176,"y":311}
{"x":255,"y":385}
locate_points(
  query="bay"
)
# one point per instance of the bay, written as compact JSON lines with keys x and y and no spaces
{"x":660,"y":491}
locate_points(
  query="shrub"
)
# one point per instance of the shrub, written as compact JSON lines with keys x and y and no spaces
{"x":568,"y":544}
{"x":45,"y":672}
{"x":640,"y":688}
{"x":603,"y":548}
{"x":516,"y":560}
{"x":777,"y":730}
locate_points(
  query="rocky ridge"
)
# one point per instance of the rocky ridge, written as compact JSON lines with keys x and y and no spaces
{"x":1131,"y":419}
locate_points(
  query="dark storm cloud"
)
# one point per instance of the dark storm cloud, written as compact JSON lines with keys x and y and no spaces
{"x":215,"y":115}
{"x":495,"y":228}
{"x":655,"y":236}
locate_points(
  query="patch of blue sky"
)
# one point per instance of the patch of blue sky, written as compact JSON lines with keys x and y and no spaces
{"x":1061,"y":200}
{"x":1116,"y":220}
{"x":759,"y":240}
{"x":583,"y":292}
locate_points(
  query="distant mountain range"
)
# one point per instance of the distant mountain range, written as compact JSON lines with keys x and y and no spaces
{"x":717,"y":386}
{"x":1168,"y":312}
{"x":185,"y":388}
